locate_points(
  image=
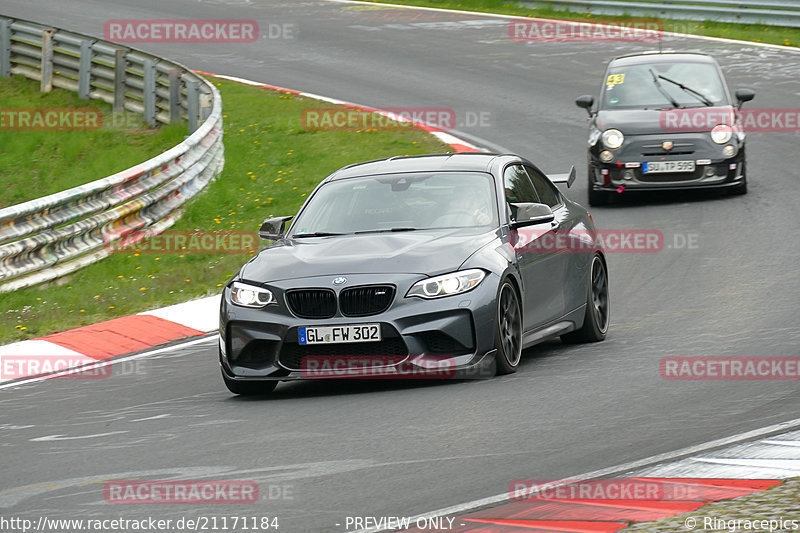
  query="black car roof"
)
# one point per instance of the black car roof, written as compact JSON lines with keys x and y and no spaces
{"x":661,"y":57}
{"x":467,"y":161}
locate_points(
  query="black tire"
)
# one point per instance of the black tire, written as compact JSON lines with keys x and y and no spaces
{"x":249,"y":388}
{"x":598,"y":307}
{"x":508,"y":330}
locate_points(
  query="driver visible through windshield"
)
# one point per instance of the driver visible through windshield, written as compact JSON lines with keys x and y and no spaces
{"x":399,"y":202}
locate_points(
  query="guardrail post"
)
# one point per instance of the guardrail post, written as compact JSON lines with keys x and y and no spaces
{"x":149,"y":92}
{"x":85,"y":70}
{"x":120,"y":63}
{"x":5,"y":47}
{"x":193,"y":104}
{"x":174,"y":95}
{"x":46,"y":84}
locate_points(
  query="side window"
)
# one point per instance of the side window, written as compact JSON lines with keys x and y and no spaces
{"x":518,"y":185}
{"x":546,"y":190}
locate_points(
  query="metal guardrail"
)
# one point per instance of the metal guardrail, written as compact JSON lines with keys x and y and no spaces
{"x":769,"y":12}
{"x":48,"y":237}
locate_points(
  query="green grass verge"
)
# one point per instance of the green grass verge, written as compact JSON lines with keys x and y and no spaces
{"x":746,"y":32}
{"x":271,"y":164}
{"x":38,"y":163}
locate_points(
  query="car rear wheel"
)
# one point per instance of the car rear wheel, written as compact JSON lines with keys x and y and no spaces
{"x":508,"y":337}
{"x":598,"y":309}
{"x":249,"y":388}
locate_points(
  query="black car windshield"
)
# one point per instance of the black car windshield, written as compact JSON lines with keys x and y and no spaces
{"x":658,"y":86}
{"x":399,"y":202}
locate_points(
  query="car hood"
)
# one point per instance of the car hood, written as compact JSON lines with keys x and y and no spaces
{"x":427,"y":252}
{"x":659,"y":121}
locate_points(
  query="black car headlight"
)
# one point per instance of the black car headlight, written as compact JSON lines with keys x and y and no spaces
{"x":248,"y":295}
{"x":447,"y":284}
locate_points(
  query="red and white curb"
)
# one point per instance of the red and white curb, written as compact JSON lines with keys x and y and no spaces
{"x":457,"y":144}
{"x":111,"y":338}
{"x":606,"y":500}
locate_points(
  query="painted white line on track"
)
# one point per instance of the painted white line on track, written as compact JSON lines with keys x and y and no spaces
{"x":111,"y":361}
{"x":515,"y":17}
{"x":622,"y":468}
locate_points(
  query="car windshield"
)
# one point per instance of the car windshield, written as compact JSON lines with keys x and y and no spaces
{"x":399,"y":202}
{"x":663,"y":85}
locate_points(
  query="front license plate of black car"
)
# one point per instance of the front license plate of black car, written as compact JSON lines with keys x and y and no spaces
{"x":340,"y":334}
{"x":655,"y":167}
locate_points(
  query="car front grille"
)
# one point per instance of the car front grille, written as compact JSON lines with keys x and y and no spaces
{"x":312,"y":303}
{"x":650,"y":150}
{"x":365,"y":301}
{"x":661,"y":177}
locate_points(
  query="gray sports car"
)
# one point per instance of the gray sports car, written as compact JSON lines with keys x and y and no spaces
{"x":444,"y":265}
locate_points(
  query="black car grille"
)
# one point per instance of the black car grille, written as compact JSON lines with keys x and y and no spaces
{"x":650,"y":150}
{"x":292,"y":353}
{"x":365,"y":301}
{"x":312,"y":303}
{"x":661,"y":177}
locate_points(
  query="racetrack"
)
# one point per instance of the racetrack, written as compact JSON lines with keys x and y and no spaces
{"x":397,"y":448}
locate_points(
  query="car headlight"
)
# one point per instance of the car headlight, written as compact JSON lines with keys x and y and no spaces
{"x":721,"y":133}
{"x":612,"y":138}
{"x":248,"y":295}
{"x":447,"y":284}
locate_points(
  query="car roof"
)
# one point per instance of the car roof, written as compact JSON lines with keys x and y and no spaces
{"x":645,"y":58}
{"x":466,"y":161}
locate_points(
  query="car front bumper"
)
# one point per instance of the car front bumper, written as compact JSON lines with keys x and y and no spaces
{"x":625,"y":172}
{"x":451,"y":336}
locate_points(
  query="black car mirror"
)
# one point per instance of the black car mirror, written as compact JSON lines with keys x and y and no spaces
{"x":586,"y":101}
{"x":744,"y":95}
{"x":529,"y":214}
{"x":273,"y":228}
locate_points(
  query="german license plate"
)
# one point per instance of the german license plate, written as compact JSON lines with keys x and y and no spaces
{"x":656,"y":167}
{"x":340,"y":334}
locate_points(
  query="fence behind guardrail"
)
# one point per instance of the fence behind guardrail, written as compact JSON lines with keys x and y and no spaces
{"x":49,"y":237}
{"x":769,"y":12}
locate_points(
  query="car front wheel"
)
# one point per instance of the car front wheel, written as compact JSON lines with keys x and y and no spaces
{"x":508,"y":337}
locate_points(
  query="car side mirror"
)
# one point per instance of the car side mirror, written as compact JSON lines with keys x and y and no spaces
{"x":273,"y":228}
{"x":530,"y":214}
{"x":586,"y":101}
{"x":744,"y":95}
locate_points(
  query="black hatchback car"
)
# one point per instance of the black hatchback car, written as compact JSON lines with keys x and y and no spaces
{"x":664,"y":120}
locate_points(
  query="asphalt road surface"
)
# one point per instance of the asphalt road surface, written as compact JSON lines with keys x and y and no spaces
{"x":323,"y":451}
